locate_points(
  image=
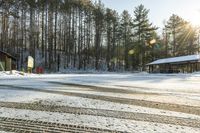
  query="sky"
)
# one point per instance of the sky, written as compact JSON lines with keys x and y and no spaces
{"x":160,"y":10}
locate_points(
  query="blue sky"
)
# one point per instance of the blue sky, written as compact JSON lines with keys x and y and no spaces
{"x":160,"y":10}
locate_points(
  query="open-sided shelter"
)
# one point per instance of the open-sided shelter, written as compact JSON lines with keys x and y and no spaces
{"x":184,"y":64}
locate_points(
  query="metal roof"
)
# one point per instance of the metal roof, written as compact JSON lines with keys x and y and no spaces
{"x":179,"y":59}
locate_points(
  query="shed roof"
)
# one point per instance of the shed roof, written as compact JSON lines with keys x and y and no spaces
{"x":9,"y":55}
{"x":180,"y":59}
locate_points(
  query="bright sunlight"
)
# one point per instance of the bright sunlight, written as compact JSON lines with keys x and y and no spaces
{"x":194,"y":17}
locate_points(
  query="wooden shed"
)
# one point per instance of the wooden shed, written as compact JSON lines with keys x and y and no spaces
{"x":7,"y":61}
{"x":181,"y":64}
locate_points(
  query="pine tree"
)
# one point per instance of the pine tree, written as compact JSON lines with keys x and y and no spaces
{"x":143,"y":32}
{"x":99,"y":27}
{"x":126,"y":33}
{"x":183,"y":36}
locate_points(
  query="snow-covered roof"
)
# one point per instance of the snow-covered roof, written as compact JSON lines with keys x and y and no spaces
{"x":176,"y":60}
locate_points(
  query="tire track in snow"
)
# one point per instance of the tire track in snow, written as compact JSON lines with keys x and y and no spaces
{"x":150,"y":104}
{"x":20,"y":125}
{"x":105,"y":113}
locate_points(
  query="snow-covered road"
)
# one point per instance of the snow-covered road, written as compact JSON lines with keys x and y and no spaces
{"x":174,"y":98}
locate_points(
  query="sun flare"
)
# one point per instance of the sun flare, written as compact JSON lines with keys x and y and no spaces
{"x":194,"y":18}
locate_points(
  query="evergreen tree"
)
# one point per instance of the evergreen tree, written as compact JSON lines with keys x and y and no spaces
{"x":82,"y":34}
{"x":144,"y":32}
{"x":126,"y":33}
{"x":182,"y":36}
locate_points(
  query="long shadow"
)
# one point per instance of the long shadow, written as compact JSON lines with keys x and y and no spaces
{"x":150,"y":78}
{"x":102,"y":89}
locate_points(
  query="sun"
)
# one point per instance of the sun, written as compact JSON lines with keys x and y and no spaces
{"x":195,"y":21}
{"x":194,"y":18}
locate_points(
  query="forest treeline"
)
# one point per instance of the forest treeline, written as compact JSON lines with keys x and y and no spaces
{"x":83,"y":34}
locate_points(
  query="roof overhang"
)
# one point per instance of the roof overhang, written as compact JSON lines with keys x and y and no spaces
{"x":176,"y":60}
{"x":9,"y":55}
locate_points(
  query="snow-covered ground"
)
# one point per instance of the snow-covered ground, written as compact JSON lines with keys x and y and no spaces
{"x":180,"y":89}
{"x":55,"y":99}
{"x":96,"y":121}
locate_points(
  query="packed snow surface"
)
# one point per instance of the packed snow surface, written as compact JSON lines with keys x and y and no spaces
{"x":182,"y":89}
